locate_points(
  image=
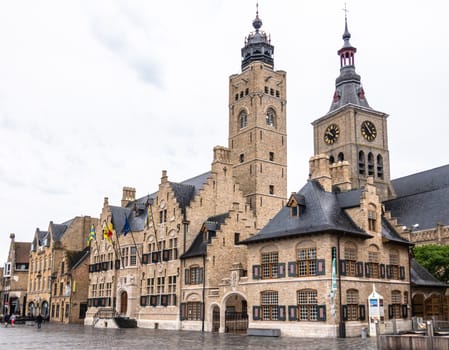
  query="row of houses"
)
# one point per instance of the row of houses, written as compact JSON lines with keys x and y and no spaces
{"x":230,"y":251}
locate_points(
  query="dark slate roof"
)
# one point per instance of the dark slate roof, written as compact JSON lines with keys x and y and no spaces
{"x":58,"y":230}
{"x":349,"y":199}
{"x":389,"y":233}
{"x":199,"y":245}
{"x":136,"y":222}
{"x":184,"y":193}
{"x":422,"y":278}
{"x":322,"y":213}
{"x":421,"y":198}
{"x":22,"y":252}
{"x":76,"y":258}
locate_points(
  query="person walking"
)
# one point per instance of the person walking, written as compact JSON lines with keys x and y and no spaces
{"x":39,"y":321}
{"x":6,"y":319}
{"x":13,"y":319}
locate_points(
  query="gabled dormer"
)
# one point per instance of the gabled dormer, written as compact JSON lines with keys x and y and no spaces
{"x":297,"y":204}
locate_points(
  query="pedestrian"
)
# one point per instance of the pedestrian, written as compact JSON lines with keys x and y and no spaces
{"x":13,"y":319}
{"x":39,"y":320}
{"x":6,"y":319}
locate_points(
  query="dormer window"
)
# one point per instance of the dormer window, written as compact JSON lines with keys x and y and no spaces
{"x":296,"y":204}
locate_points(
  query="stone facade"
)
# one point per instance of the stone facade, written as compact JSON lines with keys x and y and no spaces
{"x":14,"y":281}
{"x":48,"y":250}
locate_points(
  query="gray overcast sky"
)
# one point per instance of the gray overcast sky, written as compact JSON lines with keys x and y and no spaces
{"x":97,"y":95}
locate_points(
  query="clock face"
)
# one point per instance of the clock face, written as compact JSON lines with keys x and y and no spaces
{"x":331,"y":134}
{"x":369,"y":131}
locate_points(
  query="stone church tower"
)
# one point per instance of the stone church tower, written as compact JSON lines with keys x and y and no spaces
{"x":352,"y":131}
{"x":257,"y":127}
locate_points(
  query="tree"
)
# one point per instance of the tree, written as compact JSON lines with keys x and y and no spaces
{"x":435,"y":258}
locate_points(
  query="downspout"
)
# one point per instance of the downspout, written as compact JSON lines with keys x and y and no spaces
{"x":342,"y":326}
{"x":203,"y":307}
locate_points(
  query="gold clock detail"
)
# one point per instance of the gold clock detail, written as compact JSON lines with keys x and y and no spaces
{"x":369,"y":131}
{"x":331,"y":134}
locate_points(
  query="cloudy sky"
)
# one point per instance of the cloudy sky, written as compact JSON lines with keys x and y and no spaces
{"x":96,"y":95}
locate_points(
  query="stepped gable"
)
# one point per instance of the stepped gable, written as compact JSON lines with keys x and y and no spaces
{"x":420,"y":277}
{"x":421,"y":198}
{"x":322,"y":213}
{"x":199,"y":245}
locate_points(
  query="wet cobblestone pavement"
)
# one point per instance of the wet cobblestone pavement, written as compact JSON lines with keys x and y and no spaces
{"x":55,"y":337}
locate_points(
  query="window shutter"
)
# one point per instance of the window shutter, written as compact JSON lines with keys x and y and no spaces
{"x":390,"y":311}
{"x":362,"y":315}
{"x":187,"y":276}
{"x":382,"y":270}
{"x":388,"y":271}
{"x":165,"y":255}
{"x":404,"y":311}
{"x":402,"y":272}
{"x":256,"y":313}
{"x":201,"y":276}
{"x":281,"y":312}
{"x":117,"y":264}
{"x":182,"y":312}
{"x":320,"y":268}
{"x":344,"y":311}
{"x":367,"y":269}
{"x":292,"y":269}
{"x":281,"y":269}
{"x":175,"y":253}
{"x":321,"y":312}
{"x":343,"y":267}
{"x":256,"y":272}
{"x":153,"y":300}
{"x":359,"y":269}
{"x":155,"y":257}
{"x":292,"y":309}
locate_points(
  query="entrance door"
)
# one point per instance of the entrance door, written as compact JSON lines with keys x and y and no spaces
{"x":123,"y":303}
{"x":236,"y":316}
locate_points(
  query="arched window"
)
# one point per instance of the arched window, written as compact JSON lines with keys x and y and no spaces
{"x":341,"y":157}
{"x":270,"y":117}
{"x":372,"y":217}
{"x":394,"y":264}
{"x":331,"y":160}
{"x":373,"y":262}
{"x":306,"y":260}
{"x":361,"y":163}
{"x":243,"y":120}
{"x":307,"y":305}
{"x":350,"y":253}
{"x":352,"y":302}
{"x":380,"y":167}
{"x":370,"y":164}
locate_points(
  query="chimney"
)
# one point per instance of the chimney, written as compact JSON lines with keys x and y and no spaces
{"x":319,"y":171}
{"x":129,"y":195}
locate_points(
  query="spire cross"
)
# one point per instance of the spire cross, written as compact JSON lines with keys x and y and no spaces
{"x":257,"y":7}
{"x":345,"y":10}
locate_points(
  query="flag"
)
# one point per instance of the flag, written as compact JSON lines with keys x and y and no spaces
{"x":334,"y":274}
{"x":126,"y":228}
{"x":107,"y":231}
{"x":92,"y":235}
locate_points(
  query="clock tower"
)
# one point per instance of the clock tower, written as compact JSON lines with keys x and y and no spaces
{"x":352,"y":131}
{"x":257,"y":127}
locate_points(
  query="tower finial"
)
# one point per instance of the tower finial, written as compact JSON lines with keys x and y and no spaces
{"x":257,"y":23}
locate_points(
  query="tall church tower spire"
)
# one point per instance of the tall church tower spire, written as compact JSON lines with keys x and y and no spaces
{"x":352,"y":131}
{"x":257,"y":126}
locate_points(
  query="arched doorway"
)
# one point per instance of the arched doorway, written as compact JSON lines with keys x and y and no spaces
{"x":123,"y":303}
{"x":215,"y":319}
{"x":236,"y":314}
{"x":31,"y":309}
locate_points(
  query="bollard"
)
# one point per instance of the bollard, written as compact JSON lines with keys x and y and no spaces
{"x":364,"y":332}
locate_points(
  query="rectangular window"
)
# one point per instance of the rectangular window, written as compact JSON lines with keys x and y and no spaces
{"x":306,"y":263}
{"x":193,"y":311}
{"x":271,"y":189}
{"x":160,"y":285}
{"x":236,"y":237}
{"x":125,"y":255}
{"x":307,"y":305}
{"x":350,"y":260}
{"x":396,"y":304}
{"x":171,"y":290}
{"x":371,"y":220}
{"x":108,"y":289}
{"x":352,"y":300}
{"x":133,"y":257}
{"x":195,"y":275}
{"x":394,"y":265}
{"x":270,"y":265}
{"x":373,"y":261}
{"x":150,"y":286}
{"x":271,"y":156}
{"x":269,"y":305}
{"x":162,"y":216}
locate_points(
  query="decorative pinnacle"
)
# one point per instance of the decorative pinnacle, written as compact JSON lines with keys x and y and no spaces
{"x":257,"y":23}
